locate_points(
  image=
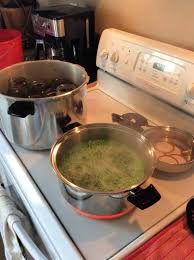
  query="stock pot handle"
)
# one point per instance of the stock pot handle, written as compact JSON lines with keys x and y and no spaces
{"x":70,"y":126}
{"x":21,"y":109}
{"x":144,"y":198}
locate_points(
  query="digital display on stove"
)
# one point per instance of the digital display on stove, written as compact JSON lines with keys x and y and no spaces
{"x":159,"y":66}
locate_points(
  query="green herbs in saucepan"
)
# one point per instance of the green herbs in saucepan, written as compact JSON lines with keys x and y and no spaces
{"x":102,"y":165}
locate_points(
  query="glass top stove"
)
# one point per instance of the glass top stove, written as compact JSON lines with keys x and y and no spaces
{"x":104,"y":239}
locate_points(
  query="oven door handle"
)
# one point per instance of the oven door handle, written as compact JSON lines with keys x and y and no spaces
{"x":15,"y":224}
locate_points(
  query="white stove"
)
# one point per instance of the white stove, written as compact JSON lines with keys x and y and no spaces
{"x":68,"y":235}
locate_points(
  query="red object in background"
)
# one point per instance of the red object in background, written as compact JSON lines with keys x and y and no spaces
{"x":175,"y":242}
{"x":10,"y":47}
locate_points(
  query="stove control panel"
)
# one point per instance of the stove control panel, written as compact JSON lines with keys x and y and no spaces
{"x":161,"y":69}
{"x":160,"y":72}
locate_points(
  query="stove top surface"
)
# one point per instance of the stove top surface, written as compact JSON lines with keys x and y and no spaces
{"x":108,"y":237}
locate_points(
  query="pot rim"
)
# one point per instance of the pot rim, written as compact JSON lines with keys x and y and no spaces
{"x":86,"y":80}
{"x":170,"y":129}
{"x":77,"y":130}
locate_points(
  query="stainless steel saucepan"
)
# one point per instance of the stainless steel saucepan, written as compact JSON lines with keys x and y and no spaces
{"x":116,"y":202}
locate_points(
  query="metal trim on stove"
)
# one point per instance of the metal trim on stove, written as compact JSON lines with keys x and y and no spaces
{"x":147,"y":235}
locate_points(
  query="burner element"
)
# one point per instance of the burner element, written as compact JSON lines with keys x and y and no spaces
{"x":99,"y":217}
{"x":132,"y":120}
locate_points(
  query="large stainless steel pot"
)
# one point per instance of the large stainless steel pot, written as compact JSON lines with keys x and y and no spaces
{"x":36,"y":123}
{"x":106,"y":204}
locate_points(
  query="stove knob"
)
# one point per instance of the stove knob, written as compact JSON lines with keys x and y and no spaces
{"x":115,"y":57}
{"x":191,"y":91}
{"x":104,"y":55}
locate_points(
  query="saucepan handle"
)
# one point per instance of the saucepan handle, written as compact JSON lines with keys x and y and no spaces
{"x":21,"y":109}
{"x":65,"y":123}
{"x":70,"y":126}
{"x":120,"y":119}
{"x":144,"y":198}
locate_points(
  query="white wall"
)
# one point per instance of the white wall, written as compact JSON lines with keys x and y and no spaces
{"x":171,"y":21}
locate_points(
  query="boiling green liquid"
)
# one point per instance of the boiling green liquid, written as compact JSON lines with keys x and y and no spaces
{"x":102,"y":165}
